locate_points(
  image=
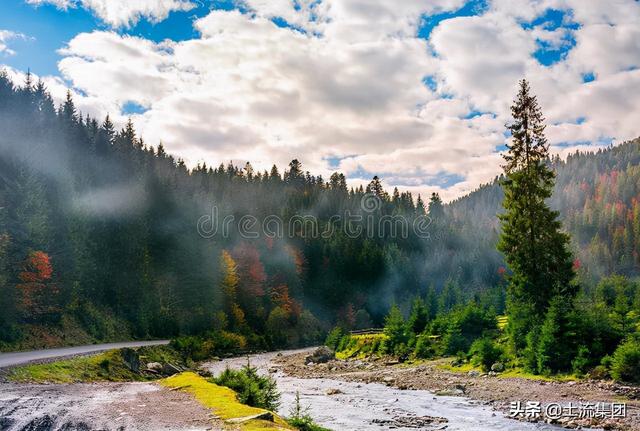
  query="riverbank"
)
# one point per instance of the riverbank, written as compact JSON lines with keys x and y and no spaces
{"x":113,"y":391}
{"x":495,"y":391}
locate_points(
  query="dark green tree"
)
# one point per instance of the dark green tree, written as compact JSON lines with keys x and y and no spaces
{"x":534,"y":247}
{"x":395,"y":328}
{"x":436,"y":209}
{"x":419,"y":317}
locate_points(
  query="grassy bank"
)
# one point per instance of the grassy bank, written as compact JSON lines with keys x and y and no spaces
{"x":223,"y":403}
{"x":245,"y":408}
{"x":507,"y":374}
{"x":120,"y":365}
{"x":372,"y":345}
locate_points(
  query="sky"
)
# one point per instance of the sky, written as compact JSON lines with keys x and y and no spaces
{"x":416,"y":92}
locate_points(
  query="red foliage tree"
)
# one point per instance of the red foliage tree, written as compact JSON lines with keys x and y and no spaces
{"x":36,"y":291}
{"x":250,"y":269}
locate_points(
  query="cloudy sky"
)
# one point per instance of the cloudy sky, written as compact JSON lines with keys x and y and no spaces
{"x":415,"y":91}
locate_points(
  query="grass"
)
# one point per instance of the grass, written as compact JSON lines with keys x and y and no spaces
{"x":512,"y":373}
{"x":361,"y":346}
{"x":222,"y":402}
{"x":107,"y":366}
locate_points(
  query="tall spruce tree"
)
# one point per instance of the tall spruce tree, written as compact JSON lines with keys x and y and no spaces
{"x":535,"y":248}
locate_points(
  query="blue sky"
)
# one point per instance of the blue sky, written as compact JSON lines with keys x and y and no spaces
{"x":417,"y":92}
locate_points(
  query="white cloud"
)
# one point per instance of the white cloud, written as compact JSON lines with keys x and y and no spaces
{"x":5,"y":37}
{"x":348,"y":84}
{"x":124,"y":13}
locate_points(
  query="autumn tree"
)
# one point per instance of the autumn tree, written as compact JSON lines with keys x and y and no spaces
{"x":229,"y":287}
{"x":36,"y":291}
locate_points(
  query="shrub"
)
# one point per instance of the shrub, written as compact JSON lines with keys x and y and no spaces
{"x":212,"y":344}
{"x":581,"y":362}
{"x":484,"y":353}
{"x":333,"y":338}
{"x":625,"y":365}
{"x":301,"y":419}
{"x":252,"y":389}
{"x":424,"y":347}
{"x":599,"y":373}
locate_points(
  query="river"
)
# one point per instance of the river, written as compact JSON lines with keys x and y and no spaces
{"x":370,"y":406}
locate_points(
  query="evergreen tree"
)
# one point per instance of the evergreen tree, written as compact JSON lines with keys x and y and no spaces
{"x":419,"y":317}
{"x":420,"y":208}
{"x":555,"y":346}
{"x":436,"y":209}
{"x":395,"y":329}
{"x":535,"y":248}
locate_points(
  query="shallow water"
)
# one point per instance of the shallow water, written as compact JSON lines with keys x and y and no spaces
{"x":373,"y":406}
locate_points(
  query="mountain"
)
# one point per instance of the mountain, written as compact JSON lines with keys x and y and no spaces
{"x":104,"y":237}
{"x":598,"y":197}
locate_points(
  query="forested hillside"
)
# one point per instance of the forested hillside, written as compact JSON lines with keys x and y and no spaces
{"x":100,"y":238}
{"x":598,"y":196}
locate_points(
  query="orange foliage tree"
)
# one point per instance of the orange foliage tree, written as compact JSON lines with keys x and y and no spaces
{"x":280,"y":298}
{"x":36,"y":290}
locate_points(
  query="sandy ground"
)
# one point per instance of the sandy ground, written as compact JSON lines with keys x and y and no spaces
{"x":498,"y":392}
{"x":101,"y":406}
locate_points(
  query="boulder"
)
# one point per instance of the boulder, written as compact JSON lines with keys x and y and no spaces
{"x":498,"y":367}
{"x":154,"y":366}
{"x":131,"y":359}
{"x":321,"y":355}
{"x":170,"y":369}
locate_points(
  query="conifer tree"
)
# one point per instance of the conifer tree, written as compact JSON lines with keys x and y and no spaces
{"x":436,"y":209}
{"x":535,"y":248}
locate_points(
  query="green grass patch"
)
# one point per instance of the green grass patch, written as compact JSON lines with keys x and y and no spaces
{"x":522,"y":374}
{"x":222,"y":401}
{"x":464,"y":368}
{"x":512,"y":373}
{"x":361,"y":346}
{"x":107,"y":366}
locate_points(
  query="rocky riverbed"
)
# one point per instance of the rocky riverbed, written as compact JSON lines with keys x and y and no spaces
{"x":493,"y":390}
{"x":100,"y":406}
{"x":339,"y":400}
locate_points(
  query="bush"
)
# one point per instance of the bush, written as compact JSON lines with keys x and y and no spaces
{"x":582,"y":361}
{"x":599,"y":373}
{"x":334,"y":337}
{"x":212,"y":344}
{"x":252,"y":389}
{"x":301,"y":419}
{"x":424,"y":347}
{"x":625,"y":365}
{"x":484,"y":353}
